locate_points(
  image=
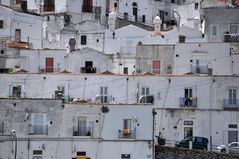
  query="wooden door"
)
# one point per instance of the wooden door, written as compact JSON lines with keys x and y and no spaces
{"x":49,"y":64}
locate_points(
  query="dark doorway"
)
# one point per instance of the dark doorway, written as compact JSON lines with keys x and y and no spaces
{"x":135,"y":11}
{"x":88,"y":66}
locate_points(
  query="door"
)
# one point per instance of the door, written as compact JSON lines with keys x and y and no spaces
{"x":135,"y":11}
{"x":82,"y":126}
{"x":49,"y":64}
{"x":18,"y":35}
{"x":188,"y":95}
{"x":156,"y":66}
{"x":16,"y":92}
{"x":38,"y":124}
{"x":88,"y":66}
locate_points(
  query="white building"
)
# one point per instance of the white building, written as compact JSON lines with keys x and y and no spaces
{"x":17,"y":25}
{"x":50,"y":129}
{"x":85,"y":60}
{"x":206,"y":58}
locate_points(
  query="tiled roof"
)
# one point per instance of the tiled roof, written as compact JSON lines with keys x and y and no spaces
{"x":14,"y":44}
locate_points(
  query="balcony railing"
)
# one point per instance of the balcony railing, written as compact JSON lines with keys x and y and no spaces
{"x":88,"y":70}
{"x":200,"y":69}
{"x":38,"y":129}
{"x":149,"y":99}
{"x":127,"y":134}
{"x":83,"y":131}
{"x":188,"y":102}
{"x":104,"y":99}
{"x":231,"y":103}
{"x":50,"y":69}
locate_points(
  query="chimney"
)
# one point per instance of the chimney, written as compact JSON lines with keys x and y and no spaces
{"x":24,"y":5}
{"x":157,"y":24}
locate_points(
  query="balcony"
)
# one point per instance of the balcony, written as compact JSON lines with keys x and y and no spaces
{"x":146,"y":99}
{"x":188,"y":102}
{"x":104,"y":99}
{"x":88,"y":70}
{"x":38,"y":129}
{"x":127,"y":134}
{"x":50,"y":69}
{"x":83,"y":131}
{"x":200,"y":69}
{"x":231,"y":103}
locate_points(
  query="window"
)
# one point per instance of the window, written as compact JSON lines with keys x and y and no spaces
{"x":18,"y":35}
{"x":233,"y":126}
{"x":196,"y":6}
{"x":16,"y":91}
{"x":127,"y":124}
{"x":214,"y":30}
{"x":143,"y":18}
{"x":188,"y":94}
{"x":37,"y":154}
{"x":232,"y":96}
{"x":233,"y":28}
{"x":1,"y":127}
{"x":81,"y":126}
{"x":38,"y":125}
{"x":125,"y":16}
{"x":145,"y":91}
{"x":126,"y":70}
{"x":49,"y":6}
{"x":1,"y":24}
{"x":81,"y":153}
{"x":103,"y":94}
{"x":115,"y":5}
{"x":125,"y":156}
{"x":188,"y":128}
{"x":83,"y":40}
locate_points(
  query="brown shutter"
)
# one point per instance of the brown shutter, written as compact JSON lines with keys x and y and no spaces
{"x":49,"y":64}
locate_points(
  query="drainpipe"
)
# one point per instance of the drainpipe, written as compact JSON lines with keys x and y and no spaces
{"x":153,"y":142}
{"x":210,"y":112}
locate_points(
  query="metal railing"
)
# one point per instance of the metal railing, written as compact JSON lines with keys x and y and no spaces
{"x":38,"y":129}
{"x":88,"y":70}
{"x":188,"y":102}
{"x":127,"y":134}
{"x":104,"y":99}
{"x":137,"y":19}
{"x":83,"y":131}
{"x":231,"y":103}
{"x":200,"y":69}
{"x":147,"y":99}
{"x":49,"y":69}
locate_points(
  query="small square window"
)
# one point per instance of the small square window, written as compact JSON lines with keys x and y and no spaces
{"x":1,"y":24}
{"x":83,"y":40}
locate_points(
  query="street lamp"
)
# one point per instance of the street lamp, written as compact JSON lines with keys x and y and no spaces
{"x":15,"y":138}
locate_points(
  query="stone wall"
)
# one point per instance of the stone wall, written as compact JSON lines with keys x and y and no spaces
{"x":179,"y":153}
